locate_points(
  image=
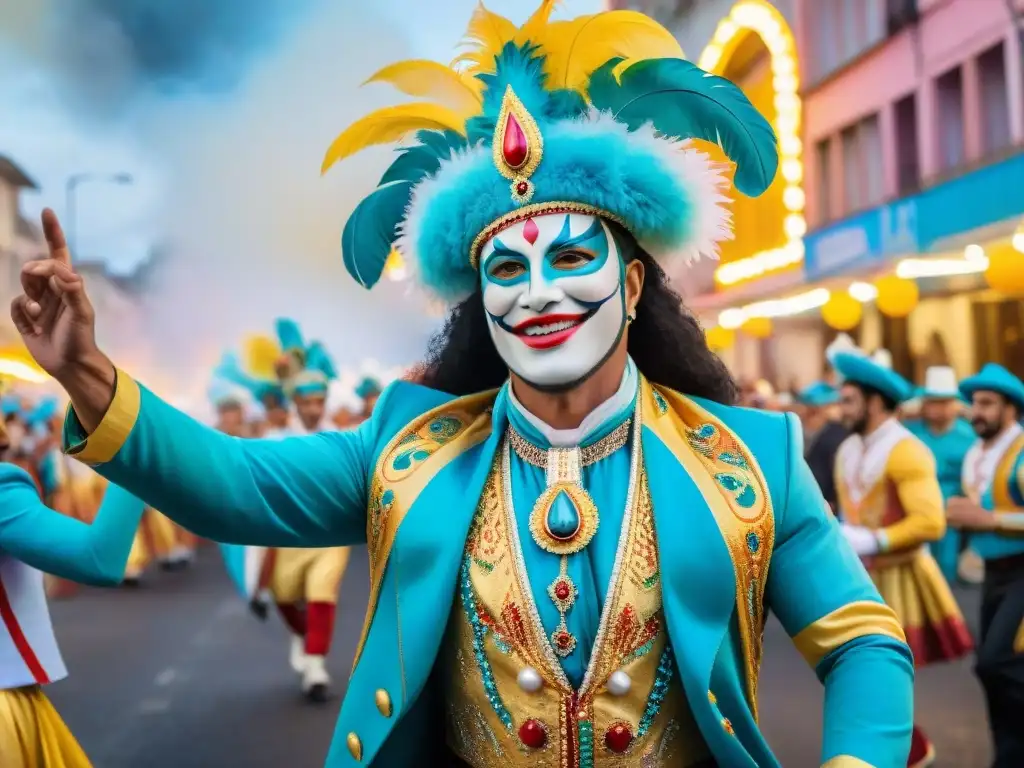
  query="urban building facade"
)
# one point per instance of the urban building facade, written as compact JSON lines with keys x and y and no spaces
{"x":901,"y":131}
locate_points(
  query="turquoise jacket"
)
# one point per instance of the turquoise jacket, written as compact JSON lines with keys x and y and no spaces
{"x":949,"y":449}
{"x":54,"y":543}
{"x":424,"y":453}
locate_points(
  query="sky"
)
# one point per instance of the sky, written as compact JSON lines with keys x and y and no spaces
{"x":220,"y":113}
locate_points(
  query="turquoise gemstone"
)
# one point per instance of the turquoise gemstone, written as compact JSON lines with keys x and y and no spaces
{"x":563,"y":517}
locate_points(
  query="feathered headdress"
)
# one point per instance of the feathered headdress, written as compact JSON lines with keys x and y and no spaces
{"x":258,"y":374}
{"x":590,"y":115}
{"x":303,"y":369}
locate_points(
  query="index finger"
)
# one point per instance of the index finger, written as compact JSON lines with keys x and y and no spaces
{"x":55,"y":239}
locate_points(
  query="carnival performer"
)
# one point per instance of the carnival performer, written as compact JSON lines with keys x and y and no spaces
{"x":302,"y":582}
{"x":823,"y":434}
{"x":948,"y":436}
{"x":34,"y":539}
{"x":574,"y":538}
{"x":368,"y":391}
{"x":992,"y":510}
{"x":890,"y":504}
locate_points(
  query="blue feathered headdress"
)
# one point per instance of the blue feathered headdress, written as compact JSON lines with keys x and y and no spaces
{"x":590,"y":115}
{"x":311,"y":367}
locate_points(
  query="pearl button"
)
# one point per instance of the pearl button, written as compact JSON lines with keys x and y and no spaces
{"x":619,"y":683}
{"x":529,"y":679}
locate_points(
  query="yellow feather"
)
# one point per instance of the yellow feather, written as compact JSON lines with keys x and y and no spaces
{"x":485,"y":37}
{"x":389,"y":125}
{"x":575,"y":48}
{"x":429,"y":79}
{"x":261,"y":354}
{"x":532,"y":31}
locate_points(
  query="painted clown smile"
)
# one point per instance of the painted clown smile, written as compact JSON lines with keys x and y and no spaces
{"x":548,"y":331}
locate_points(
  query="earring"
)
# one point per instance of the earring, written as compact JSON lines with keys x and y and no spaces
{"x":630,"y":318}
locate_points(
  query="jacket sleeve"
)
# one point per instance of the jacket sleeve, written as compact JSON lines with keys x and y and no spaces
{"x":55,"y":543}
{"x":305,"y":491}
{"x":911,"y":468}
{"x":854,"y":642}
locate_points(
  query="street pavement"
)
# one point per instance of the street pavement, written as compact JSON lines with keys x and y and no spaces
{"x":178,"y":674}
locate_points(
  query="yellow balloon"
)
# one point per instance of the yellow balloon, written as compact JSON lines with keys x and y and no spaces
{"x":1005,"y":271}
{"x":758,"y":327}
{"x":720,"y":338}
{"x":897,"y":296}
{"x":842,"y":312}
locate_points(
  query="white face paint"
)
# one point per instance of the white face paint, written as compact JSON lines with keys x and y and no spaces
{"x":554,"y":296}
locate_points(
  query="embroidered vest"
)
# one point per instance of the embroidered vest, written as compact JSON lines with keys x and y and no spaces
{"x":508,"y":702}
{"x":1003,"y":479}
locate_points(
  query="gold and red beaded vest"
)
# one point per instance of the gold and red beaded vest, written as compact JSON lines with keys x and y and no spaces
{"x":508,"y":701}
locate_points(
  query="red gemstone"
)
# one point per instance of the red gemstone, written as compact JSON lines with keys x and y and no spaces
{"x":514,"y":147}
{"x":564,"y":640}
{"x":618,"y":738}
{"x":562,"y":590}
{"x":533,"y":734}
{"x":521,"y":189}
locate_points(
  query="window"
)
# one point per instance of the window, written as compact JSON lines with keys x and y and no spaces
{"x":908,"y":170}
{"x":995,"y":100}
{"x":863,"y":181}
{"x":950,"y":93}
{"x":851,"y":170}
{"x":899,"y":14}
{"x":823,"y":150}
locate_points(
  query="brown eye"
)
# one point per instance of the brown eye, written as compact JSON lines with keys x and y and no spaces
{"x":507,"y":270}
{"x":571,"y":259}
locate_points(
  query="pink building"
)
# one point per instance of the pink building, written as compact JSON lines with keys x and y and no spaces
{"x":902,"y":94}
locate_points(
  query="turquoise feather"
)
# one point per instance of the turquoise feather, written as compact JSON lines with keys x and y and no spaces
{"x":288,"y":334}
{"x":317,"y":359}
{"x":683,"y":101}
{"x":370,"y":231}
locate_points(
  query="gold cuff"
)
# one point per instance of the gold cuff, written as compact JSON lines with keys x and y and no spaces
{"x":846,"y":623}
{"x":845,"y":761}
{"x":119,"y":420}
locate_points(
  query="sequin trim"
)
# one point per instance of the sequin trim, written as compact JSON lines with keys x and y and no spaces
{"x":479,"y":627}
{"x":662,"y":680}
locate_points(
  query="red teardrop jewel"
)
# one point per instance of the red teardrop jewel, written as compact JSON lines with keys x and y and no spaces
{"x":618,"y":738}
{"x":562,"y":590}
{"x":533,"y":734}
{"x":522,"y":187}
{"x":514,"y":148}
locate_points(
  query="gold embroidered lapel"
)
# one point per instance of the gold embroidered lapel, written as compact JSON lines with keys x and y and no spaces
{"x":731,"y":481}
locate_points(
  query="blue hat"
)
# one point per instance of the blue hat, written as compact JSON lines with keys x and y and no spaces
{"x":995,"y":378}
{"x":368,"y":387}
{"x":818,"y":395}
{"x":526,"y":124}
{"x":860,"y":369}
{"x":44,"y":411}
{"x":10,"y":405}
{"x":224,"y":394}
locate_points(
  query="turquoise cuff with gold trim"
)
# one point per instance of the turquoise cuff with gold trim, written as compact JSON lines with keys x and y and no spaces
{"x":845,"y":761}
{"x":861,"y":618}
{"x":112,"y":431}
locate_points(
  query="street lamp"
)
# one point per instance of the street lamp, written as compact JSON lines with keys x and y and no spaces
{"x":70,"y":189}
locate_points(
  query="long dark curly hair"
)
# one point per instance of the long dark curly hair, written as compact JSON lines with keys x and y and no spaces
{"x":665,"y":341}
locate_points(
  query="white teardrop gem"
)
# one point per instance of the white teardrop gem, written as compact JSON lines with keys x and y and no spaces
{"x":619,"y":683}
{"x":529,"y":679}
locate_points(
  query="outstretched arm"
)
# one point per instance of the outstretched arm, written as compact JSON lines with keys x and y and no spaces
{"x":45,"y":539}
{"x":300,"y":491}
{"x":854,"y":642}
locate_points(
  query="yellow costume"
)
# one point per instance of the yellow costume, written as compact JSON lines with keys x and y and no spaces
{"x":887,"y":482}
{"x":32,"y":734}
{"x":159,"y":539}
{"x":310,"y":575}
